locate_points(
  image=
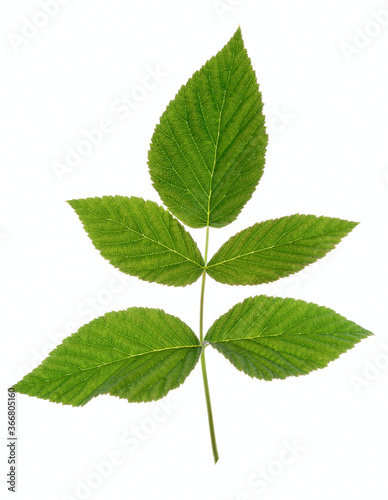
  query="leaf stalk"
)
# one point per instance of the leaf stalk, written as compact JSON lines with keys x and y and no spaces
{"x":203,"y":361}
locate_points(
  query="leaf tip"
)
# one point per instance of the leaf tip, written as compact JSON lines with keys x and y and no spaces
{"x":238,"y":32}
{"x":72,"y":203}
{"x":16,"y":387}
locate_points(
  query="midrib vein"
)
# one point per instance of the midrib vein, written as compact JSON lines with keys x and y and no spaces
{"x":218,"y":136}
{"x":95,"y":368}
{"x":275,"y":245}
{"x":146,"y":237}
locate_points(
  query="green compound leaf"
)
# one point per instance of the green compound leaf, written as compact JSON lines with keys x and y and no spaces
{"x":141,"y":238}
{"x":139,"y":354}
{"x":273,"y":338}
{"x":276,"y":248}
{"x":207,"y":153}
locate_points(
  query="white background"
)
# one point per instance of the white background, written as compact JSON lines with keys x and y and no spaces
{"x":327,"y":156}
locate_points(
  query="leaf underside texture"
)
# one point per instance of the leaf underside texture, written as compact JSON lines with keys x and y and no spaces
{"x":274,"y":338}
{"x":207,"y":153}
{"x":276,"y":248}
{"x":139,"y":354}
{"x":141,"y":238}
